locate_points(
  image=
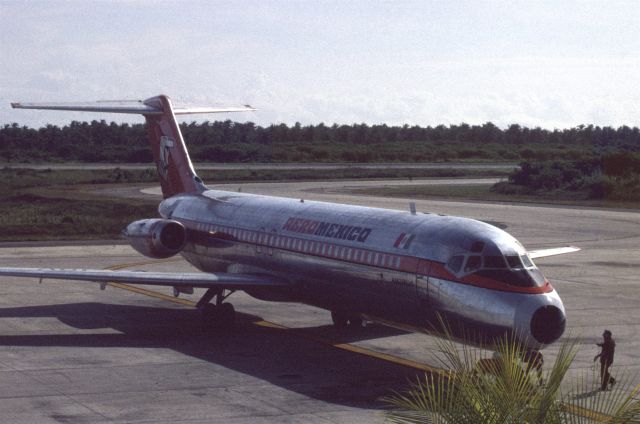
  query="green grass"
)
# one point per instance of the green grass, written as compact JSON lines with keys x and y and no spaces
{"x":62,"y":204}
{"x":342,"y":174}
{"x":31,"y":217}
{"x":22,"y":178}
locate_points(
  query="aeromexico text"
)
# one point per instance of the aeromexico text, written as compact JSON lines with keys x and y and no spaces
{"x":327,"y":229}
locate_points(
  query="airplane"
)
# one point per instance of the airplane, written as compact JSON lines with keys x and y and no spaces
{"x":401,"y":268}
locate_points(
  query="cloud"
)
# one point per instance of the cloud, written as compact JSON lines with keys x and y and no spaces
{"x":415,"y":63}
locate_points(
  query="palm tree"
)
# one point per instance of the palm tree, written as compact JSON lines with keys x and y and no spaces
{"x":503,"y":390}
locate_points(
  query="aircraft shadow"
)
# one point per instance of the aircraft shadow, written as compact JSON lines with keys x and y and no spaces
{"x":350,"y":335}
{"x":298,"y":364}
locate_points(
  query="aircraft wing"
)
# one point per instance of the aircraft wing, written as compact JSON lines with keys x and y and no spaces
{"x":543,"y":253}
{"x":199,"y":279}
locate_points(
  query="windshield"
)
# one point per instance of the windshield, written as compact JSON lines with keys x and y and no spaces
{"x":517,"y":270}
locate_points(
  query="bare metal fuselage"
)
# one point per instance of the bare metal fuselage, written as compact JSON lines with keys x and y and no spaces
{"x":373,"y":262}
{"x":401,"y":267}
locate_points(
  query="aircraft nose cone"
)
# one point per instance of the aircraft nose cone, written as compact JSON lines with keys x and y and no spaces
{"x":547,"y":324}
{"x":540,"y":319}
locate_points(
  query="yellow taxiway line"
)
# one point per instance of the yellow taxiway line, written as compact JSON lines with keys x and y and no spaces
{"x":266,"y":324}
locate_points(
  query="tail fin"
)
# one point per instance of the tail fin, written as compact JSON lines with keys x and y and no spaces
{"x":175,"y":170}
{"x":169,"y":151}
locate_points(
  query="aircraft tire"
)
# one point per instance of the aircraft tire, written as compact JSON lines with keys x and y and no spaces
{"x":227,"y":315}
{"x":209,"y":316}
{"x":209,"y":312}
{"x":216,"y":317}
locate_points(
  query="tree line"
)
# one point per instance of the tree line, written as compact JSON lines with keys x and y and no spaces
{"x":614,"y":176}
{"x":227,"y":141}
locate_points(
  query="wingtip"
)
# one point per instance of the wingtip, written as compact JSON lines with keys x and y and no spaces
{"x":542,"y":253}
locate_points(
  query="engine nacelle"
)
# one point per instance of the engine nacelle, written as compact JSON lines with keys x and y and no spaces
{"x":157,"y":238}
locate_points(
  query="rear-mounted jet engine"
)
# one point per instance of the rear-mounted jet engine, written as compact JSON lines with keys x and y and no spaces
{"x":157,"y":238}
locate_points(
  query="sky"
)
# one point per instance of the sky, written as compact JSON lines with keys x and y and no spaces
{"x":553,"y":64}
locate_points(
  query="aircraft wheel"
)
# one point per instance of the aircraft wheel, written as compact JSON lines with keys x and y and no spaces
{"x":209,"y":314}
{"x":216,"y":317}
{"x":227,"y":314}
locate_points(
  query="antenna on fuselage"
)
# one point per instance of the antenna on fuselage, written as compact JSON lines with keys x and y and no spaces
{"x":412,"y":207}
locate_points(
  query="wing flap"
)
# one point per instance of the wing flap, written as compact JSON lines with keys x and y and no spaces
{"x":202,"y":280}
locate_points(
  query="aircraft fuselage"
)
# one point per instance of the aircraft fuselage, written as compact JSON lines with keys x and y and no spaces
{"x":408,"y":269}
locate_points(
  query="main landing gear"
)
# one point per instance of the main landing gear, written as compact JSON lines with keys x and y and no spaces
{"x":216,"y":314}
{"x":344,"y":320}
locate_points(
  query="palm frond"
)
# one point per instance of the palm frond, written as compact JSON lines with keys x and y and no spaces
{"x":479,"y":389}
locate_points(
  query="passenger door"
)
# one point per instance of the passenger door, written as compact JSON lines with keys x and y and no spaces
{"x":422,"y":281}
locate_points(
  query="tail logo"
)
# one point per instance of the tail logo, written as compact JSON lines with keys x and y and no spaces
{"x":166,"y":144}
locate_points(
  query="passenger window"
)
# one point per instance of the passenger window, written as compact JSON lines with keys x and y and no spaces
{"x":495,"y":262}
{"x":473,"y":263}
{"x":514,"y":262}
{"x":455,"y":263}
{"x":526,"y":261}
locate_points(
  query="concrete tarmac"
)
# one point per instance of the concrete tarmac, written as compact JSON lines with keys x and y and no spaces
{"x":72,"y":353}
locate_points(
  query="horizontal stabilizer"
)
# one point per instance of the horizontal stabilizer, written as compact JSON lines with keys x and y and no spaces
{"x":128,"y":106}
{"x":543,"y":253}
{"x":202,"y":280}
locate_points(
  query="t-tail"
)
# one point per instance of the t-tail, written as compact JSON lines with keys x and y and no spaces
{"x":174,"y":166}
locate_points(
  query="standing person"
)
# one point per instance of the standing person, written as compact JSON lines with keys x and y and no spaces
{"x":606,"y":359}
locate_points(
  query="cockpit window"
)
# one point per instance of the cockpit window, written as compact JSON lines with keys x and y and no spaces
{"x":473,"y":263}
{"x":515,"y":270}
{"x":514,"y":262}
{"x":515,"y":277}
{"x":455,"y":263}
{"x":495,"y":262}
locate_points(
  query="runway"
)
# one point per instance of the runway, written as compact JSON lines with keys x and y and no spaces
{"x":72,"y":353}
